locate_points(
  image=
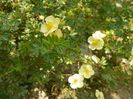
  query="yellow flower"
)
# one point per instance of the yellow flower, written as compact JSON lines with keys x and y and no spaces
{"x":99,"y":94}
{"x":95,"y":43}
{"x":50,"y":25}
{"x":57,"y":33}
{"x":76,"y":81}
{"x":96,"y":40}
{"x":86,"y":70}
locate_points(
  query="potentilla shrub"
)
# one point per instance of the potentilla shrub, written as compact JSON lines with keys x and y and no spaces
{"x":85,"y":46}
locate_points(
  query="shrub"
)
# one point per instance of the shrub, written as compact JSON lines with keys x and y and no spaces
{"x":37,"y":52}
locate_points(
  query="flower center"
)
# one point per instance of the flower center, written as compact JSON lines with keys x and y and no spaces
{"x":95,"y":42}
{"x":75,"y":81}
{"x":50,"y":25}
{"x":87,"y":71}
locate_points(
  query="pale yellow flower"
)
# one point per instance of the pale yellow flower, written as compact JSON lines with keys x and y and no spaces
{"x":95,"y":43}
{"x":99,"y":94}
{"x":50,"y":25}
{"x":76,"y":81}
{"x":96,"y":40}
{"x":86,"y":70}
{"x":57,"y":33}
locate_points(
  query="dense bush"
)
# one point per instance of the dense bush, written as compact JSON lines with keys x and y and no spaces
{"x":33,"y":58}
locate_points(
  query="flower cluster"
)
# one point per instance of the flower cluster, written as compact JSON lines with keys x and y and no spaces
{"x":96,"y":41}
{"x":50,"y":27}
{"x":76,"y":80}
{"x":86,"y":71}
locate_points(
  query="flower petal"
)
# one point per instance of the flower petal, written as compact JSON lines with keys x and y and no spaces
{"x":53,"y":20}
{"x":49,"y":19}
{"x":90,"y":39}
{"x":70,"y":79}
{"x":92,"y":47}
{"x":100,"y":44}
{"x":73,"y":86}
{"x":80,"y":85}
{"x":98,"y":35}
{"x":57,"y":33}
{"x":44,"y":28}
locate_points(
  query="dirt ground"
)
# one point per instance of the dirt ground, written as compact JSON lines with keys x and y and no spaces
{"x":122,"y":92}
